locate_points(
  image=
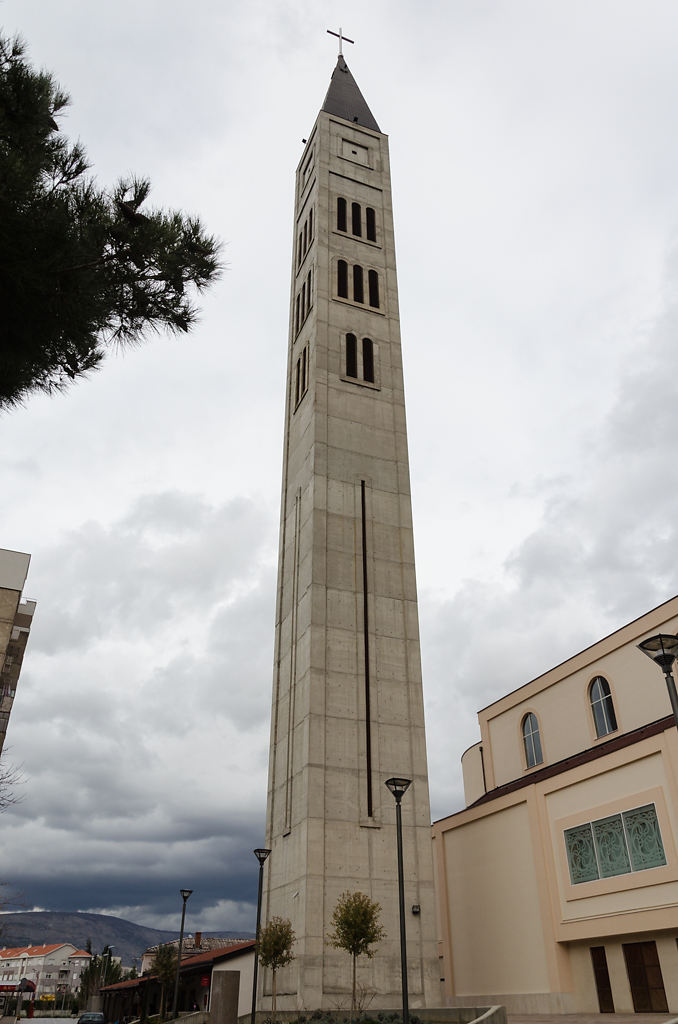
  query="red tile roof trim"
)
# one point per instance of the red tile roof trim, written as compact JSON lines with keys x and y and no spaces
{"x":199,"y":960}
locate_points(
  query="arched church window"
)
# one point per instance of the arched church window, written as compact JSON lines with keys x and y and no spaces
{"x":351,"y":356}
{"x":342,"y":279}
{"x":368,"y":360}
{"x":531,"y":740}
{"x":358,"y":293}
{"x":602,"y":707}
{"x":370,"y":224}
{"x":373,"y":285}
{"x":341,"y":214}
{"x":355,"y":219}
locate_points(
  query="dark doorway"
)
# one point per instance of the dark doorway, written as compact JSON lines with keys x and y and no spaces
{"x":645,"y":977}
{"x":602,"y":976}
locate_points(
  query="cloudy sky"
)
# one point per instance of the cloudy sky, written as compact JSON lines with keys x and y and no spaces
{"x":535,"y":168}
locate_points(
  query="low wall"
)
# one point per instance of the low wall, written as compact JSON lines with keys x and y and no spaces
{"x":431,"y":1015}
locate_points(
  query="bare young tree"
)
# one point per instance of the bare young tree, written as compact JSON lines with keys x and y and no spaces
{"x":10,"y":778}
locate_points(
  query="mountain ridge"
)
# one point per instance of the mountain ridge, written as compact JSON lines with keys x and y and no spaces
{"x":129,"y":940}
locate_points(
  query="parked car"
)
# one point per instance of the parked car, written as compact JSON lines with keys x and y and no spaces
{"x":91,"y":1017}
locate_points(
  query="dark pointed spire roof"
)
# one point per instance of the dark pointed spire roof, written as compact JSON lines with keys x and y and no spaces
{"x":344,"y":98}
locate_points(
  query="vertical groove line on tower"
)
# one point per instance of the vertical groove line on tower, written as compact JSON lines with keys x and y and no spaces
{"x":366,"y":643}
{"x":293,"y":664}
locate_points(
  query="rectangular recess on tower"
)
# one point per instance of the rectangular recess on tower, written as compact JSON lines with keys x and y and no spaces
{"x":366,"y":648}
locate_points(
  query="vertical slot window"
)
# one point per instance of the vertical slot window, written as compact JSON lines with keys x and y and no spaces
{"x":368,"y":360}
{"x":309,"y":293}
{"x":370,"y":224}
{"x":358,"y":292}
{"x":299,"y":252}
{"x":305,"y":237}
{"x":296,"y":322}
{"x":341,"y":214}
{"x":531,"y":740}
{"x":602,"y":707}
{"x":356,"y":226}
{"x":351,"y":355}
{"x":373,"y":285}
{"x":301,"y":376}
{"x":310,"y":225}
{"x":342,"y":279}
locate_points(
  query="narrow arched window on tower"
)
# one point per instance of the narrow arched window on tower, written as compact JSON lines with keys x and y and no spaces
{"x":358,"y":293}
{"x":368,"y":360}
{"x":370,"y":224}
{"x":342,"y":279}
{"x":351,"y":356}
{"x":355,"y":219}
{"x":341,"y":214}
{"x":604,"y":717}
{"x":531,"y":740}
{"x":373,"y":284}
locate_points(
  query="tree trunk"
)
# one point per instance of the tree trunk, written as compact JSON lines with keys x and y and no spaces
{"x":353,"y":992}
{"x":274,"y":990}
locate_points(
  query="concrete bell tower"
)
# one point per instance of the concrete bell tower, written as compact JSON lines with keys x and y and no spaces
{"x":347,"y":695}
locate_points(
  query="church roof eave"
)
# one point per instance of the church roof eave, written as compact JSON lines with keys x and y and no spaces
{"x":344,"y":99}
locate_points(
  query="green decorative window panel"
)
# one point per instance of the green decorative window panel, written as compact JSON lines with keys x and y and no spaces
{"x":644,"y":838}
{"x":613,"y":857}
{"x":581,"y":855}
{"x":615,"y":845}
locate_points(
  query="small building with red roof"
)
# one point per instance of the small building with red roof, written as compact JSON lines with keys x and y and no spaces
{"x":217,"y":980}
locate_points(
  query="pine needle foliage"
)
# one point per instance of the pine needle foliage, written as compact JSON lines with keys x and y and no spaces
{"x":81,"y":268}
{"x":357,"y":928}
{"x":274,"y":947}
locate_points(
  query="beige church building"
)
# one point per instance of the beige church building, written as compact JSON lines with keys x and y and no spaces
{"x":557,"y":885}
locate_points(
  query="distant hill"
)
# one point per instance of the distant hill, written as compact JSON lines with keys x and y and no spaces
{"x":129,"y":940}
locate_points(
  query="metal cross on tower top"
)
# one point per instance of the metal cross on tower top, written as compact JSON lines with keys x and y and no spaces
{"x":342,"y":38}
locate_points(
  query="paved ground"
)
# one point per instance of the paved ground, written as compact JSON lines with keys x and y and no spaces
{"x":590,"y":1018}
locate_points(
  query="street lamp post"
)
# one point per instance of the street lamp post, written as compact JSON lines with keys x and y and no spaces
{"x":398,"y":788}
{"x":185,"y":893}
{"x":663,"y":649}
{"x":261,"y":856}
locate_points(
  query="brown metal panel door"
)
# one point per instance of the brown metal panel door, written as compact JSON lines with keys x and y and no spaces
{"x":645,"y":977}
{"x":602,"y":976}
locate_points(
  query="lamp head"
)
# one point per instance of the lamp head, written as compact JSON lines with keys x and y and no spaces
{"x":185,"y":893}
{"x":662,"y":648}
{"x":398,"y":787}
{"x":261,"y":855}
